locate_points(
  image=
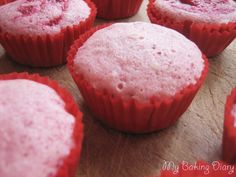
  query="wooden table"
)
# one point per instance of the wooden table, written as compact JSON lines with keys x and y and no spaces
{"x":197,"y":135}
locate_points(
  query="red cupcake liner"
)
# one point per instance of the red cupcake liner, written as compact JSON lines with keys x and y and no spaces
{"x":117,"y":9}
{"x":2,"y":2}
{"x":202,"y":169}
{"x":45,"y":50}
{"x":229,"y":136}
{"x":210,"y":38}
{"x":132,"y":115}
{"x":69,"y":165}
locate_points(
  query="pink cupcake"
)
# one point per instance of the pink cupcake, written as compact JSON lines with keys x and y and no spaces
{"x":117,"y":9}
{"x":41,"y":128}
{"x":39,"y":33}
{"x":229,"y":137}
{"x":137,"y":77}
{"x":211,"y":24}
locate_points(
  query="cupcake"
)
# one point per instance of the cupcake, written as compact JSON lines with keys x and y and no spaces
{"x":137,"y":77}
{"x":39,"y":33}
{"x":117,"y":9}
{"x":199,"y":169}
{"x":211,"y":24}
{"x":229,"y":137}
{"x":41,"y":129}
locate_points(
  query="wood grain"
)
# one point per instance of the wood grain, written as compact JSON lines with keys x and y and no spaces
{"x":197,"y":135}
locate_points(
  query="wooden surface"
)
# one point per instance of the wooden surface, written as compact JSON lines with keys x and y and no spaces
{"x":197,"y":135}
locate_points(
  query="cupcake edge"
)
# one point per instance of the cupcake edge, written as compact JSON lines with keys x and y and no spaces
{"x":45,"y":50}
{"x":2,"y":2}
{"x":69,"y":165}
{"x":229,"y":134}
{"x":132,"y":115}
{"x":215,"y":34}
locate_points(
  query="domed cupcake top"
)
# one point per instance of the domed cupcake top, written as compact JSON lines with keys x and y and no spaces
{"x":212,"y":11}
{"x":139,"y":60}
{"x":39,"y":17}
{"x":36,"y":130}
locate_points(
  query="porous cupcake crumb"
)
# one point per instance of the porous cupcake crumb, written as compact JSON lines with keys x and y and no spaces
{"x":139,"y":60}
{"x":211,"y":11}
{"x":36,"y":130}
{"x":37,"y":17}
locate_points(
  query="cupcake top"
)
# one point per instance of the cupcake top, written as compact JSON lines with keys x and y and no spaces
{"x":38,"y":17}
{"x":211,"y":11}
{"x":139,"y":60}
{"x":36,"y":130}
{"x":234,"y":114}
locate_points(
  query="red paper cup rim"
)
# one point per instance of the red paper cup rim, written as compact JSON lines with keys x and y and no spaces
{"x":229,"y":119}
{"x":52,"y":36}
{"x":125,"y":9}
{"x":70,"y":106}
{"x":79,"y":42}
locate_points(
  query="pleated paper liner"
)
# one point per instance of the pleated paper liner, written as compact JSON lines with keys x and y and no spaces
{"x":229,"y":136}
{"x":132,"y":115}
{"x":2,"y":2}
{"x":117,"y":9}
{"x":45,"y":50}
{"x":69,"y":163}
{"x":212,"y":39}
{"x":199,"y":169}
